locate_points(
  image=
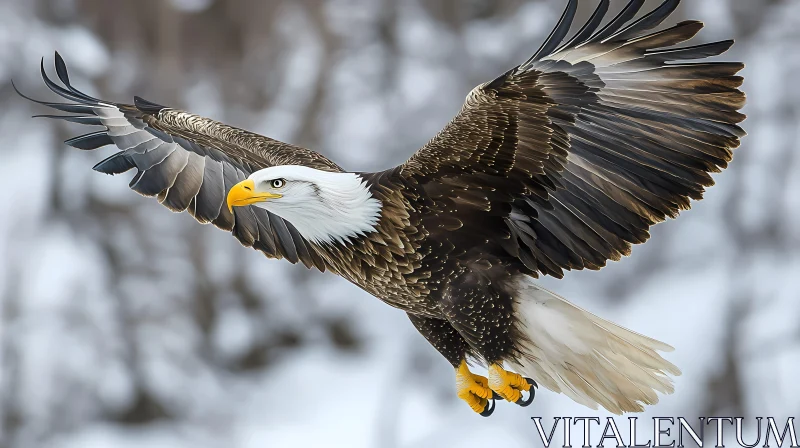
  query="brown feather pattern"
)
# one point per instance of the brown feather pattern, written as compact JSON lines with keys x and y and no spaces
{"x":590,"y":146}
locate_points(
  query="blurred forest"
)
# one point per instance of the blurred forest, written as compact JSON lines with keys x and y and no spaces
{"x":122,"y":324}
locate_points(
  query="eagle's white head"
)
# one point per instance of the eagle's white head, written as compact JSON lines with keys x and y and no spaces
{"x":324,"y":207}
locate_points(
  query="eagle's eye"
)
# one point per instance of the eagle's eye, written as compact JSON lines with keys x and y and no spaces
{"x":278,"y":183}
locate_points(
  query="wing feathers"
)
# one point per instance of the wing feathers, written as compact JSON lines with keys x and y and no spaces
{"x":187,"y":184}
{"x":693,"y":52}
{"x":649,"y":21}
{"x":162,"y":175}
{"x":607,"y":135}
{"x":209,"y":199}
{"x":115,"y":164}
{"x":627,"y":13}
{"x":187,"y":162}
{"x":90,"y":141}
{"x":585,"y":33}
{"x":61,"y":72}
{"x":147,"y":107}
{"x":559,"y":32}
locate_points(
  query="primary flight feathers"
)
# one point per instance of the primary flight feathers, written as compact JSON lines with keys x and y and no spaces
{"x":561,"y":163}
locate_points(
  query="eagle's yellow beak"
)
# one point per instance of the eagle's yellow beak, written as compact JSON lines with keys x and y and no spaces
{"x":244,"y":193}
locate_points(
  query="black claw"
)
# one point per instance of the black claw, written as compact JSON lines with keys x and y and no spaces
{"x":496,"y":396}
{"x":532,"y":393}
{"x":489,"y":408}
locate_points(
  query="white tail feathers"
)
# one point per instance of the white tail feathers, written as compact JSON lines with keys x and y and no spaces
{"x":589,"y":359}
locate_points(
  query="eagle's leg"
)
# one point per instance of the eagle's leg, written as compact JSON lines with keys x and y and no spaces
{"x":510,"y":385}
{"x":481,"y":310}
{"x":474,"y":389}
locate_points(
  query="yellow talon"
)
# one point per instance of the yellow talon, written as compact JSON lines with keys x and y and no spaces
{"x":474,"y":389}
{"x":508,"y":385}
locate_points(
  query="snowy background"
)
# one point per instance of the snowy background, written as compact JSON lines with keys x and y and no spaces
{"x":124,"y":325}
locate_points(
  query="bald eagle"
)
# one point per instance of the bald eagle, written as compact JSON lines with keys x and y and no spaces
{"x":561,"y":163}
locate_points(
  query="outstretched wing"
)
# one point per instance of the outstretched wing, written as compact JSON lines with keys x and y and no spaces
{"x":189,"y":163}
{"x":583,"y":147}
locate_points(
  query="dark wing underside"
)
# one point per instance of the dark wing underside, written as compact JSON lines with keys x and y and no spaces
{"x":582,"y":148}
{"x":189,"y":163}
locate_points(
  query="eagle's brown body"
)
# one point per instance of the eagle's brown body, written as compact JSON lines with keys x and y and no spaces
{"x":561,"y":163}
{"x":389,"y":263}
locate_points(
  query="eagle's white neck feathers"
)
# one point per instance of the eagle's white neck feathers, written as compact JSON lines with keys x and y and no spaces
{"x":324,"y":207}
